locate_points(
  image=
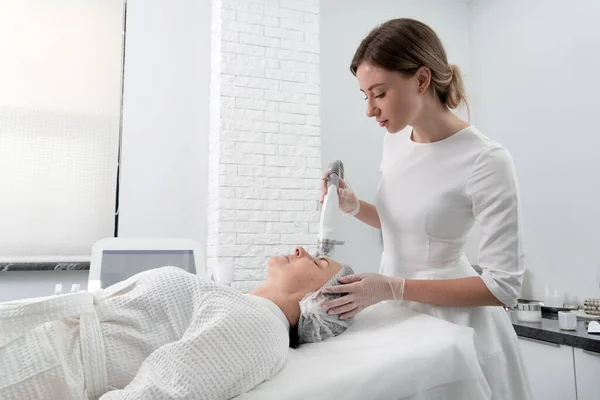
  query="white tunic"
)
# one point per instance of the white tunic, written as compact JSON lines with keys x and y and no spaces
{"x":428,"y":198}
{"x":161,"y":334}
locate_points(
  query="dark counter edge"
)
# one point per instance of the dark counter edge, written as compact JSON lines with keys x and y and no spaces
{"x":566,"y":339}
{"x":48,"y":266}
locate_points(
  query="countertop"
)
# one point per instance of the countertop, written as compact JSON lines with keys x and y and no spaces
{"x":548,"y":331}
{"x":48,"y":266}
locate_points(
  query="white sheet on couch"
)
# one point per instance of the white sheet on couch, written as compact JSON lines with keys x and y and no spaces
{"x":390,"y":352}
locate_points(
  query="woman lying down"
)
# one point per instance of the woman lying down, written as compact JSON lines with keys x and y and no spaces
{"x":164,"y":334}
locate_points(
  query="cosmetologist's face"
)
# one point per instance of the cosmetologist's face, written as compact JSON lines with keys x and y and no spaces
{"x":392,"y":99}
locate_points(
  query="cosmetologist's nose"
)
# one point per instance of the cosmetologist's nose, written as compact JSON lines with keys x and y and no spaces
{"x":372,"y":111}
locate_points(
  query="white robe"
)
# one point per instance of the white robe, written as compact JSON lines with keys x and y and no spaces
{"x":161,"y":334}
{"x":428,"y":199}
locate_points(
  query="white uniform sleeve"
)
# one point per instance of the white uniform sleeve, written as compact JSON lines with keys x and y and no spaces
{"x":494,"y":191}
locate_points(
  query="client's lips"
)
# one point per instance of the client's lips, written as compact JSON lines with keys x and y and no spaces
{"x":382,"y":123}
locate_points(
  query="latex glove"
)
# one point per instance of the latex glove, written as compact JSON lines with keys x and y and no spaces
{"x":363,"y":290}
{"x":348,"y":201}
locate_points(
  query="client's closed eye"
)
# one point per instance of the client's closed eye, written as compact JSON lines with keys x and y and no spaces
{"x":320,"y":262}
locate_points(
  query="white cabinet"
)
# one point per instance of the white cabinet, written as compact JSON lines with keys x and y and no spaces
{"x":587,"y":371}
{"x":549,"y":368}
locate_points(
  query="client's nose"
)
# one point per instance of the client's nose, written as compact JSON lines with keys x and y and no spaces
{"x":300,"y":252}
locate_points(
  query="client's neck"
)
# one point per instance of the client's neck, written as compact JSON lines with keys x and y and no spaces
{"x":288,"y":303}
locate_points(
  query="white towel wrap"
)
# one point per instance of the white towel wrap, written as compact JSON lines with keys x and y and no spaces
{"x":21,"y":317}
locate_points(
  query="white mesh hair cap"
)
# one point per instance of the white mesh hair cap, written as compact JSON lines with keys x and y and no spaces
{"x":316,"y":325}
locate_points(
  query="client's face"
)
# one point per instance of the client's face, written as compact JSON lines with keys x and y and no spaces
{"x":300,"y":272}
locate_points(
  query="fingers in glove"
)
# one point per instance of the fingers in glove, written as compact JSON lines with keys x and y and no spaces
{"x":324,"y":186}
{"x":346,"y":308}
{"x":339,"y":288}
{"x":340,"y":301}
{"x":350,"y":314}
{"x":351,"y":278}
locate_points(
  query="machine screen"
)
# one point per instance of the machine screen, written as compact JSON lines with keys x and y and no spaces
{"x":118,"y":265}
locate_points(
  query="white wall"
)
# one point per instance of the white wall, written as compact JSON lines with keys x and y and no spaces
{"x":165,"y":133}
{"x":264,"y":175}
{"x":536,"y":91}
{"x":347,"y":133}
{"x":164,"y":170}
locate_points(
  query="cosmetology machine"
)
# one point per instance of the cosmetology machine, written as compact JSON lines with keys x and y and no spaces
{"x":328,"y":236}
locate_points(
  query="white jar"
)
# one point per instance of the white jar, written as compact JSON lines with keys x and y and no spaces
{"x":567,"y":320}
{"x":529,"y":311}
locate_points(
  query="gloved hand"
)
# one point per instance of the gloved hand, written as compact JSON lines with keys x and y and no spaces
{"x":363,"y":290}
{"x":348,"y":201}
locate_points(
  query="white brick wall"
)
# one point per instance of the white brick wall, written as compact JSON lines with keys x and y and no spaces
{"x":264,"y":161}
